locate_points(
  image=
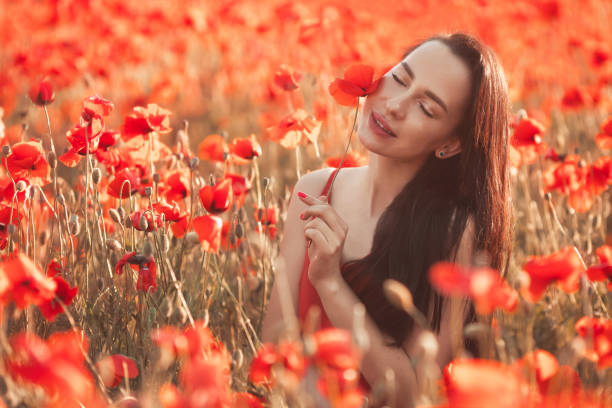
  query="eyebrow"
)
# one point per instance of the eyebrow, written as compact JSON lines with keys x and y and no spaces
{"x":432,"y":95}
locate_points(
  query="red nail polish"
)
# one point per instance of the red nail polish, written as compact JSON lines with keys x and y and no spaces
{"x":302,"y":216}
{"x":301,"y":194}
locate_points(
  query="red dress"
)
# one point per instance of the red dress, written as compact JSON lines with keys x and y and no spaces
{"x":308,"y":296}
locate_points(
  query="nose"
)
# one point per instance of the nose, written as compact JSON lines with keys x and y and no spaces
{"x":394,"y":107}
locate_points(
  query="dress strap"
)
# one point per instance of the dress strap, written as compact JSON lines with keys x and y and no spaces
{"x":329,"y":180}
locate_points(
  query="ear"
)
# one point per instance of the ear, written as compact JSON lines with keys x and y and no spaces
{"x":449,"y":148}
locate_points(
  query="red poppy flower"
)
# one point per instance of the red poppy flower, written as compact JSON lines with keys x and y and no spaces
{"x":266,"y":216}
{"x":287,"y":353}
{"x":176,"y":185}
{"x":601,"y":331}
{"x":79,"y":137}
{"x":246,"y":400}
{"x":205,"y":381}
{"x":483,"y":285}
{"x":108,"y":139}
{"x":245,"y":149}
{"x":26,"y":282}
{"x":574,"y":98}
{"x":170,"y":212}
{"x":352,"y":159}
{"x":287,"y":78}
{"x":261,"y":365}
{"x":218,"y":198}
{"x":240,"y":186}
{"x":56,"y":365}
{"x":42,"y":93}
{"x":96,"y":106}
{"x":27,"y":160}
{"x":147,"y":272}
{"x":603,"y":270}
{"x":527,"y":140}
{"x":358,"y":81}
{"x":599,"y":175}
{"x":208,"y":228}
{"x":113,"y":368}
{"x":484,"y":383}
{"x":124,"y":183}
{"x":172,"y":340}
{"x":334,"y":348}
{"x":604,"y":138}
{"x":566,"y":177}
{"x":51,"y":308}
{"x":562,"y":267}
{"x":8,"y":214}
{"x":295,"y":129}
{"x":213,"y":148}
{"x":143,"y":121}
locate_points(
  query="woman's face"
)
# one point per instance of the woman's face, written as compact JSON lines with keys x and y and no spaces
{"x":421,"y":101}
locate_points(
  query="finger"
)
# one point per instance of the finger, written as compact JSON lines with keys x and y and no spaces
{"x":308,"y":199}
{"x":316,"y":236}
{"x":332,"y":238}
{"x":328,"y":214}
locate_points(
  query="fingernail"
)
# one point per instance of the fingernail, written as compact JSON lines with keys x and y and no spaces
{"x":300,"y":194}
{"x":302,"y":216}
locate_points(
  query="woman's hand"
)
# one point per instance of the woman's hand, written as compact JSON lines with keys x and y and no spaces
{"x":327,"y":231}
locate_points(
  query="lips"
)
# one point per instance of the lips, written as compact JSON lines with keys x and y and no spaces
{"x":385,"y":126}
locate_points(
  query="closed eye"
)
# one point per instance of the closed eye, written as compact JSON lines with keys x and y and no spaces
{"x":403,"y":84}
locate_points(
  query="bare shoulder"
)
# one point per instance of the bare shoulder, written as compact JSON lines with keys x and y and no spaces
{"x":312,"y":183}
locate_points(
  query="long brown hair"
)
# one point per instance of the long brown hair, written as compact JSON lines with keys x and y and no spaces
{"x":425,"y":221}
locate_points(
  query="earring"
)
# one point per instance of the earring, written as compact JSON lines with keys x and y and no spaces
{"x":441,"y":153}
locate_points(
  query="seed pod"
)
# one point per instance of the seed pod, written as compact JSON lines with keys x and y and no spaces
{"x":127,"y":221}
{"x":225,"y":156}
{"x":11,"y":228}
{"x":265,"y":182}
{"x":521,"y":114}
{"x":74,"y":225}
{"x":239,"y":230}
{"x":143,"y":224}
{"x":114,"y":214}
{"x":20,"y":186}
{"x":113,"y":244}
{"x":6,"y":150}
{"x":52,"y":159}
{"x":165,"y":243}
{"x":96,"y":175}
{"x":195,"y":162}
{"x":147,"y":248}
{"x":180,"y":156}
{"x":239,"y":358}
{"x":156,"y":178}
{"x":60,"y":199}
{"x":42,"y":239}
{"x":148,"y":191}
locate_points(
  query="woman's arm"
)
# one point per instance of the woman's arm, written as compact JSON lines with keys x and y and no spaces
{"x":282,"y":307}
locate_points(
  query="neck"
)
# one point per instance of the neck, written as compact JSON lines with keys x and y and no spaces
{"x":385,"y":179}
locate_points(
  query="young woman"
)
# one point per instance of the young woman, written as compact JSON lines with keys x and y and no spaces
{"x":436,"y":188}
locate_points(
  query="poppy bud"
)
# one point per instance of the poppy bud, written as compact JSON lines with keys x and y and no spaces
{"x":521,"y":114}
{"x":191,"y":239}
{"x":74,"y":225}
{"x":96,"y":175}
{"x":156,"y":178}
{"x":165,"y":243}
{"x":114,"y":214}
{"x":121,"y":212}
{"x":225,"y":156}
{"x":148,"y":191}
{"x":239,"y":230}
{"x":11,"y":229}
{"x":239,"y":358}
{"x":265,"y":182}
{"x":6,"y":150}
{"x":113,"y":244}
{"x":20,"y":186}
{"x":127,"y":221}
{"x":52,"y":159}
{"x":180,"y":156}
{"x":42,"y":93}
{"x":60,"y":199}
{"x":42,"y":239}
{"x":195,"y":162}
{"x":100,"y":283}
{"x":167,"y":308}
{"x":143,"y":224}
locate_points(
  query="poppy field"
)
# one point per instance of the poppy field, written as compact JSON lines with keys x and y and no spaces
{"x":148,"y":154}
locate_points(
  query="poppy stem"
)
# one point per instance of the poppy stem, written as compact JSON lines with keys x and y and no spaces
{"x":348,"y":144}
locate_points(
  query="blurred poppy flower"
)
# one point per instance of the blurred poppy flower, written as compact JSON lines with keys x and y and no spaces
{"x":112,"y":370}
{"x":8,"y":214}
{"x":287,"y":78}
{"x":570,"y":177}
{"x":27,"y":160}
{"x":176,"y":185}
{"x":218,"y":198}
{"x":527,"y":139}
{"x":358,"y":81}
{"x":603,"y":270}
{"x":42,"y":93}
{"x":295,"y":129}
{"x":604,"y":138}
{"x":149,"y":216}
{"x":599,"y":175}
{"x":483,"y":285}
{"x":51,"y":308}
{"x":170,"y":212}
{"x":147,"y":272}
{"x":96,"y":106}
{"x":143,"y":121}
{"x":80,"y":137}
{"x":601,"y":331}
{"x":124,"y":183}
{"x":24,"y":282}
{"x":213,"y":148}
{"x":287,"y":354}
{"x":208,"y":228}
{"x":108,"y":139}
{"x":352,"y":159}
{"x":246,"y":400}
{"x":483,"y":383}
{"x":245,"y":149}
{"x":575,"y":98}
{"x":562,"y":267}
{"x":240,"y":187}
